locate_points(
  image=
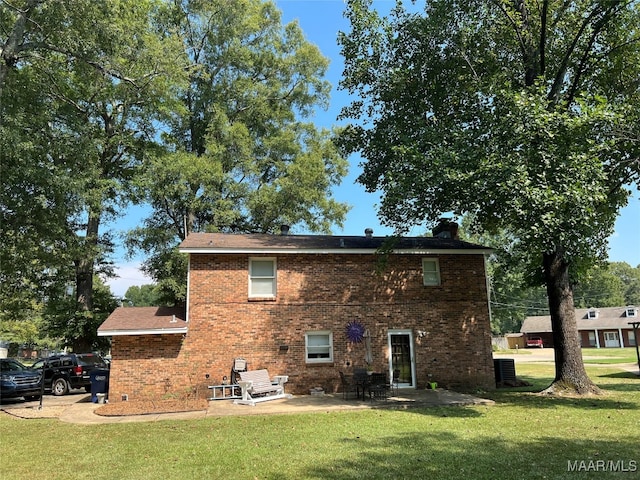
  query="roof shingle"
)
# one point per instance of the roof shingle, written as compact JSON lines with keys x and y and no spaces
{"x":144,"y":320}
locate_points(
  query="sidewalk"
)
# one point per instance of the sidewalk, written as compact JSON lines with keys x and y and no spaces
{"x":83,"y":412}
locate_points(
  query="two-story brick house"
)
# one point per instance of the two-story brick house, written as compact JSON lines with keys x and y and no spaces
{"x":310,"y":306}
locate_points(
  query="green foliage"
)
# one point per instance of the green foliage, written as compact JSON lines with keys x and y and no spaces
{"x":141,"y":296}
{"x":515,"y":294}
{"x":239,"y":157}
{"x":520,"y":114}
{"x":83,"y":86}
{"x":78,"y":328}
{"x":630,"y":277}
{"x":459,"y":113}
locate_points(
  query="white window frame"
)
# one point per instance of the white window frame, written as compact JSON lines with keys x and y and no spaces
{"x":592,"y":313}
{"x":632,"y":311}
{"x":318,"y":333}
{"x":272,"y":277}
{"x":631,"y":335}
{"x":431,"y":282}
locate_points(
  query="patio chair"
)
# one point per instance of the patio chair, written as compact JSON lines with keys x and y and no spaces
{"x":361,"y":380}
{"x":378,"y":387}
{"x":395,"y":381}
{"x":239,"y":365}
{"x":347,"y":386}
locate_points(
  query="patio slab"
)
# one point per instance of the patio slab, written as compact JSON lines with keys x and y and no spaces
{"x":82,"y":412}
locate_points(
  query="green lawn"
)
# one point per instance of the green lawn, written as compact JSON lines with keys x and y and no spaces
{"x":610,"y":355}
{"x":522,"y":436}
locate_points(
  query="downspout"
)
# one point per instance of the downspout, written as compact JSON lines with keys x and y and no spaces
{"x":486,"y":281}
{"x":186,"y":315}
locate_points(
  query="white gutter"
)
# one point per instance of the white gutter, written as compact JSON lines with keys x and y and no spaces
{"x":155,"y":331}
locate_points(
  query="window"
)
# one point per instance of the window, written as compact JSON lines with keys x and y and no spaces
{"x":319,"y":347}
{"x":430,"y":271}
{"x":592,"y":339}
{"x":592,"y":313}
{"x":632,"y":338}
{"x":632,"y":311}
{"x":262,"y":277}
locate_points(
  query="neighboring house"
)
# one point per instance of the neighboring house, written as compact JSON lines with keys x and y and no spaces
{"x":308,"y":307}
{"x":607,"y":327}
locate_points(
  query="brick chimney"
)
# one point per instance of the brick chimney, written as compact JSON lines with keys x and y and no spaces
{"x":446,"y":229}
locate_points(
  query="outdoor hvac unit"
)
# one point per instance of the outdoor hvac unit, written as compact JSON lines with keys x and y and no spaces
{"x":505,"y":369}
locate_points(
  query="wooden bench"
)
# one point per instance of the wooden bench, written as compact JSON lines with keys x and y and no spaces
{"x":257,"y":387}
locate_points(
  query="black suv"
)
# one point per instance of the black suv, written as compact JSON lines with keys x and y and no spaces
{"x":64,"y":372}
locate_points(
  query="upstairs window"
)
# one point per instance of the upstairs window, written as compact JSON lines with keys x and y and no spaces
{"x":632,"y":311}
{"x":319,"y":347}
{"x":430,"y":272}
{"x":592,"y":313}
{"x":262,"y":278}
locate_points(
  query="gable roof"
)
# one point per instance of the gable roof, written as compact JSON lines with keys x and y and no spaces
{"x":608,"y":318}
{"x":144,"y":321}
{"x":313,"y":244}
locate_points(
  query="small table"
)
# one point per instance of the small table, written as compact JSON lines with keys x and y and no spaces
{"x":222,"y":392}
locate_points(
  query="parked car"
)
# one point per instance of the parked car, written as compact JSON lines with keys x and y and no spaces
{"x":535,"y":342}
{"x":69,"y":371}
{"x":18,"y":380}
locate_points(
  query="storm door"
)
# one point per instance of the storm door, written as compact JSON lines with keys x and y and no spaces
{"x":401,"y":357}
{"x":611,"y":339}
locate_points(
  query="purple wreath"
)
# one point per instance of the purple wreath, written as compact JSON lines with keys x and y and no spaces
{"x":355,"y":332}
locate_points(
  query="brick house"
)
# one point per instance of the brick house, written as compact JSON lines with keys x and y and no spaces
{"x":310,"y":306}
{"x":607,"y":327}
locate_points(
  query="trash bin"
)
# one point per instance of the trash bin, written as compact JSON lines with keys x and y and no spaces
{"x":99,"y":383}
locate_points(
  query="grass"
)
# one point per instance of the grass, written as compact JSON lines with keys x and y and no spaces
{"x":523,"y":436}
{"x":610,"y":355}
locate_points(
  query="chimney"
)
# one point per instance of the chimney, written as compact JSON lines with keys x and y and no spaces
{"x":446,"y":229}
{"x":368,"y":232}
{"x":284,"y":229}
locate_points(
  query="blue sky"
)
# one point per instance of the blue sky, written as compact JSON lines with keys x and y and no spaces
{"x":320,"y":21}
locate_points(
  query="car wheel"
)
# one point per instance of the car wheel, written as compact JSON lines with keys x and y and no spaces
{"x":59,"y":387}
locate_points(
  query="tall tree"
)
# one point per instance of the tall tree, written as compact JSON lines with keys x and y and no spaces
{"x":141,"y":296}
{"x":523,"y":113}
{"x":241,"y":158}
{"x":103,"y":74}
{"x":630,"y":278}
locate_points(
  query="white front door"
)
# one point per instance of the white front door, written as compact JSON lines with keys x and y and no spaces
{"x":611,"y":339}
{"x":401,"y":357}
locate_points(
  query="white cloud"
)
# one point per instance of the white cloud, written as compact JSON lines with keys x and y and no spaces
{"x":127,"y":275}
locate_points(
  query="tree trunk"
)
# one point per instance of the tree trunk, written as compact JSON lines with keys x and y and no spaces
{"x":571,"y":376}
{"x":84,"y":284}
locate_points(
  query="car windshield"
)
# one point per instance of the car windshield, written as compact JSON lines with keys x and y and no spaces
{"x":12,"y":366}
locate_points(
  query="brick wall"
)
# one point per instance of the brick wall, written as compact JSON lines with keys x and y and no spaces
{"x":449,"y":323}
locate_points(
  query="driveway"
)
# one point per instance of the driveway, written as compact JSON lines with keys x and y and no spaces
{"x":48,"y":401}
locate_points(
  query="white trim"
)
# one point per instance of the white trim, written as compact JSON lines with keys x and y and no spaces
{"x":155,"y":331}
{"x":350,"y":251}
{"x":329,"y":333}
{"x":488,"y":286}
{"x":435,"y":261}
{"x":412,"y":354}
{"x":186,"y":309}
{"x":274,"y":284}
